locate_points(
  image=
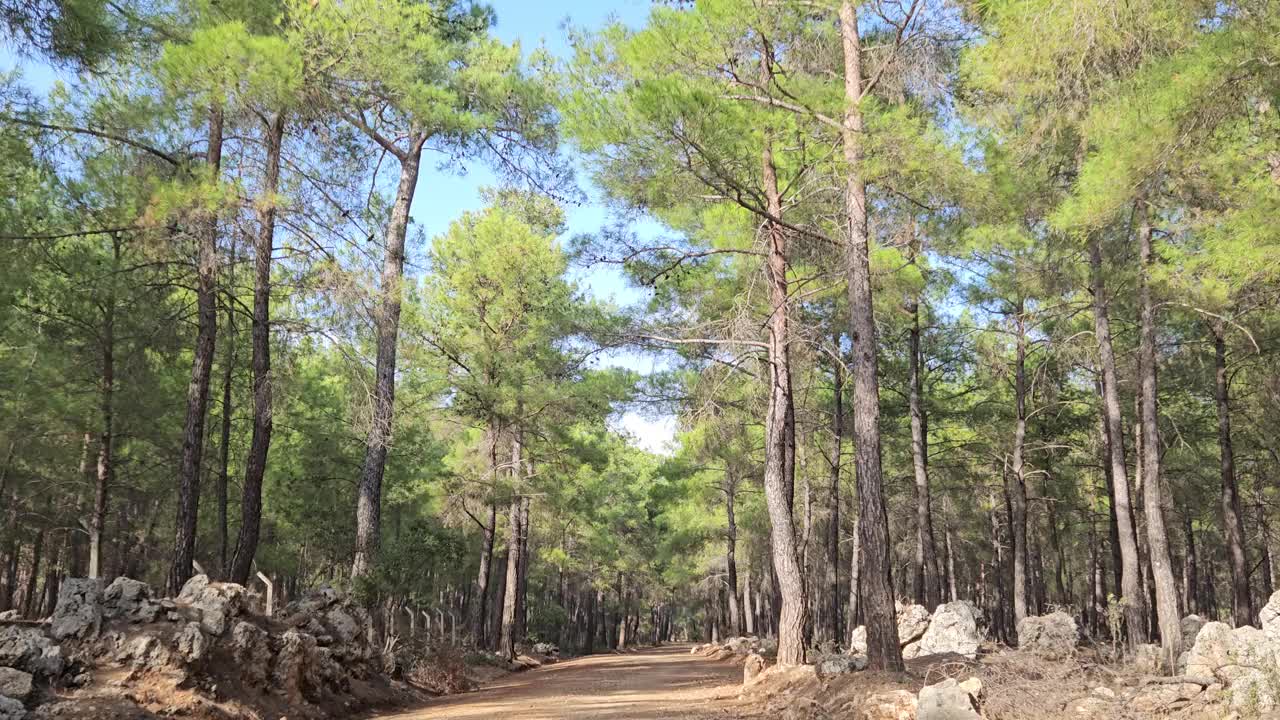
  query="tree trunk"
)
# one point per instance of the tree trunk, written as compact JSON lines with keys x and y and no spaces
{"x":481,"y":615}
{"x":883,"y":652}
{"x":834,"y":615}
{"x":184,"y":549}
{"x":522,"y":578}
{"x":748,"y":609}
{"x":778,"y":456}
{"x":1190,"y":576}
{"x":260,"y":441}
{"x":106,"y":439}
{"x":507,"y":636}
{"x":926,"y":588}
{"x":730,"y":551}
{"x":1131,"y":594}
{"x":1232,"y":518}
{"x":224,"y":446}
{"x":1017,"y":474}
{"x":1157,"y":538}
{"x":369,"y":502}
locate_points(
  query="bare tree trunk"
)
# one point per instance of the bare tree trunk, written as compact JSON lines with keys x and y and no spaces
{"x":1130,"y":570}
{"x":1157,"y":537}
{"x":834,"y":615}
{"x":951,"y":568}
{"x":481,"y":616}
{"x":522,"y":584}
{"x":260,"y":440}
{"x":927,"y":590}
{"x":778,"y":455}
{"x":29,"y":604}
{"x":730,"y":552}
{"x":748,"y":608}
{"x":876,"y":576}
{"x":1017,"y":474}
{"x":506,"y":638}
{"x":378,"y":442}
{"x":1190,"y":576}
{"x":106,"y":439}
{"x":1232,"y":518}
{"x":855,"y":582}
{"x":184,"y":548}
{"x":224,"y":447}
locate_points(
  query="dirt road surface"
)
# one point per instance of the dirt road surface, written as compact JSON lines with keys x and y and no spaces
{"x":664,"y":682}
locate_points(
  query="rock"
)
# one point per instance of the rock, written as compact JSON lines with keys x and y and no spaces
{"x":949,"y":700}
{"x":344,"y":627}
{"x":293,"y":672}
{"x":1191,"y":626}
{"x":739,"y":645}
{"x":1147,"y":659}
{"x":15,"y":684}
{"x":1104,"y":692}
{"x":145,"y":653}
{"x":191,"y":644}
{"x":752,"y":668}
{"x":1269,"y":616}
{"x":858,"y":641}
{"x":10,"y":615}
{"x":768,"y":646}
{"x":79,"y":610}
{"x":952,"y":630}
{"x":913,"y":621}
{"x":250,"y":646}
{"x":1053,"y":636}
{"x":805,"y":709}
{"x":548,"y":649}
{"x":888,"y":705}
{"x":26,"y":648}
{"x":1244,"y":657}
{"x":11,"y":709}
{"x":1162,"y":699}
{"x":218,"y":603}
{"x":129,"y":600}
{"x":840,"y":665}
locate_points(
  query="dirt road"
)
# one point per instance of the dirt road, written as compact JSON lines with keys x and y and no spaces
{"x":665,"y":682}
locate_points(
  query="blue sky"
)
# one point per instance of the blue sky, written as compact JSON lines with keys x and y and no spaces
{"x":444,"y":195}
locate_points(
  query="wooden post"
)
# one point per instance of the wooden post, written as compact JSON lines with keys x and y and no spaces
{"x":271,"y":594}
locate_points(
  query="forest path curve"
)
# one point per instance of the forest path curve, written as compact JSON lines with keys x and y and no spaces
{"x":664,"y":682}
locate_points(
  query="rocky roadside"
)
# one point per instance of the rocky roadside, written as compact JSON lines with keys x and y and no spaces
{"x":118,"y":651}
{"x":955,"y":673}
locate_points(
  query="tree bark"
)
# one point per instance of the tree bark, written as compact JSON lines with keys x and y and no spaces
{"x":378,"y":442}
{"x":260,"y":440}
{"x":1131,"y":594}
{"x":730,"y":552}
{"x":926,"y":587}
{"x":507,"y":636}
{"x":1232,"y":517}
{"x":834,"y":615}
{"x":883,"y":652}
{"x":1017,"y":474}
{"x":778,"y":456}
{"x":1157,"y":537}
{"x":480,"y":618}
{"x":106,"y":438}
{"x":224,"y":446}
{"x":184,"y":549}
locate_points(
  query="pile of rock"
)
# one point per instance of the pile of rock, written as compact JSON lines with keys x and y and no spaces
{"x":952,"y":629}
{"x":1053,"y":636}
{"x":203,"y":639}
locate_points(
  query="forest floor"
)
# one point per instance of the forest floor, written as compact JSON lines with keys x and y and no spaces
{"x":663,"y":682}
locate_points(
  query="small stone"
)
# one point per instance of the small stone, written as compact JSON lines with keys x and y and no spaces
{"x":11,"y":709}
{"x":191,"y":643}
{"x":752,"y":668}
{"x":947,"y":700}
{"x":15,"y":684}
{"x":1105,"y":692}
{"x":840,"y":665}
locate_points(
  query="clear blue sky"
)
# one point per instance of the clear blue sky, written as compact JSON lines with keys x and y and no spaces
{"x":444,"y":196}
